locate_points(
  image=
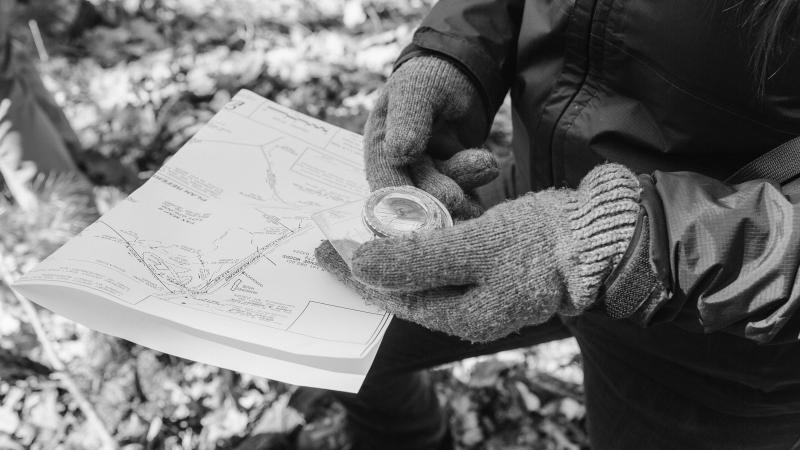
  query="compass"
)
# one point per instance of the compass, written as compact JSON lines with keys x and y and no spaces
{"x":402,"y":210}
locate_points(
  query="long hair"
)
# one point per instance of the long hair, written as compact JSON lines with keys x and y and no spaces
{"x":774,"y":26}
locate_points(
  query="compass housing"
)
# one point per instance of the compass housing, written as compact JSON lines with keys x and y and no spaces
{"x":401,"y":210}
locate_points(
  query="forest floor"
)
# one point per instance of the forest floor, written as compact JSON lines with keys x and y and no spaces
{"x":137,"y":78}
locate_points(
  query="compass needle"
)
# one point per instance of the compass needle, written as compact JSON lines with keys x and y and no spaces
{"x":397,"y":211}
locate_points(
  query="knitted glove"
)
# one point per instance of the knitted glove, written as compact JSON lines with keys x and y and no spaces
{"x":518,"y":264}
{"x":428,"y":111}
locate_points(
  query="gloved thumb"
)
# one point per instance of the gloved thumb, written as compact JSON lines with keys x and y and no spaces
{"x":470,"y":168}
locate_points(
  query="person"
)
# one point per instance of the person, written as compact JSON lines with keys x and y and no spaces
{"x":35,"y":129}
{"x":680,"y":288}
{"x":37,"y":124}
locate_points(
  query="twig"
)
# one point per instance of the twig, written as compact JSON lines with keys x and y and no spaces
{"x":558,"y":435}
{"x":555,"y":386}
{"x":62,"y":374}
{"x":374,"y":18}
{"x":38,"y":41}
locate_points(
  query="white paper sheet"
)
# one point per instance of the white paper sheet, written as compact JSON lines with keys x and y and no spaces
{"x":212,"y":258}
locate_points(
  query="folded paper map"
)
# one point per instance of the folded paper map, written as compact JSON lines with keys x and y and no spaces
{"x":213,"y":258}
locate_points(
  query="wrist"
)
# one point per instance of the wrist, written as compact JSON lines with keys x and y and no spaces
{"x":601,"y":218}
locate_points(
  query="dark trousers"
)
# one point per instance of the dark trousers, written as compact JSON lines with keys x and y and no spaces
{"x":397,"y":407}
{"x":397,"y":404}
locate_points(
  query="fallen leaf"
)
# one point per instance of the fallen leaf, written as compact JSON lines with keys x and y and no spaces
{"x":279,"y":418}
{"x":9,"y":421}
{"x":486,"y":373}
{"x":571,"y":409}
{"x":531,"y":401}
{"x":354,"y":14}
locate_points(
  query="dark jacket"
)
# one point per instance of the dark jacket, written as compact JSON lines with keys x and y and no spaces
{"x":667,"y":90}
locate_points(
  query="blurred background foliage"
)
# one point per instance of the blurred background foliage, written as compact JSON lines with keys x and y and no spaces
{"x":137,"y":78}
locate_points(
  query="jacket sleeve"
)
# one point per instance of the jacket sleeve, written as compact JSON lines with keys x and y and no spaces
{"x":713,"y":257}
{"x":478,"y":35}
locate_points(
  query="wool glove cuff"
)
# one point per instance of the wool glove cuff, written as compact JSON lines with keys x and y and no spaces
{"x":601,"y":215}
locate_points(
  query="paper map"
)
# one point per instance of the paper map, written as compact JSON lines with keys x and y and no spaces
{"x":212,"y":258}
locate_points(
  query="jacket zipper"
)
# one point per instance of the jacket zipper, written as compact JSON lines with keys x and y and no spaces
{"x":556,"y":155}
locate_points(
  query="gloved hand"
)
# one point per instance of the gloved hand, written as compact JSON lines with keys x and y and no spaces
{"x":518,"y":264}
{"x":427,"y":114}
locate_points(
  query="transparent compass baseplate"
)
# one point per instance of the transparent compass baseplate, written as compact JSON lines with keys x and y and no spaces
{"x":388,"y":212}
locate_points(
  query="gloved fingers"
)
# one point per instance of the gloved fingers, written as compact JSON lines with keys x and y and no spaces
{"x":481,"y":313}
{"x":480,"y":318}
{"x":409,"y":124}
{"x":427,"y":177}
{"x":330,"y":260}
{"x":444,"y":257}
{"x":476,"y":314}
{"x":486,"y":314}
{"x":382,"y":169}
{"x":456,"y":310}
{"x":470,"y":208}
{"x":444,"y":142}
{"x":435,"y":309}
{"x":470,"y":168}
{"x":426,"y":308}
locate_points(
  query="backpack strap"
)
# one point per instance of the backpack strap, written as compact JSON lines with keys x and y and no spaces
{"x":781,"y":164}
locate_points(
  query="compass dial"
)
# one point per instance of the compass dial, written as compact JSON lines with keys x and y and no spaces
{"x":397,"y":211}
